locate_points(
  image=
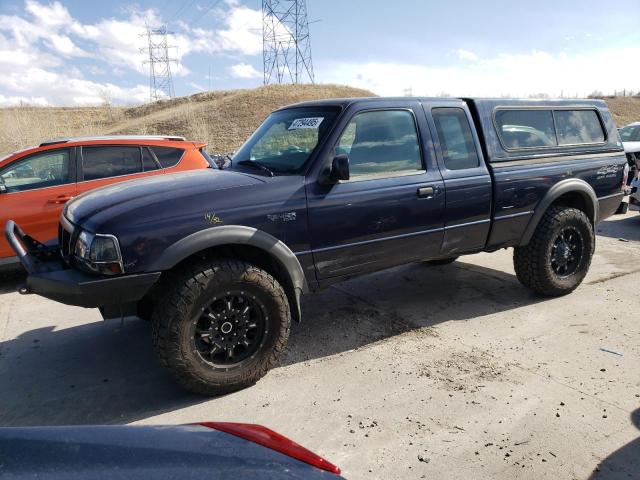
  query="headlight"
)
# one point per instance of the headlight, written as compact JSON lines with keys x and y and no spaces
{"x":99,"y":253}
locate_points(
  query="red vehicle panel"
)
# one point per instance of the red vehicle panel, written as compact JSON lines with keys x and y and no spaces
{"x":36,"y":183}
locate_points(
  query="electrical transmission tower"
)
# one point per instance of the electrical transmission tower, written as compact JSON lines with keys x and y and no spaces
{"x":160,"y":80}
{"x":286,"y":46}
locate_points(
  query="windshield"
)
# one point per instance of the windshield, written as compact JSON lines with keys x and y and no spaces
{"x":286,"y":139}
{"x":630,"y":133}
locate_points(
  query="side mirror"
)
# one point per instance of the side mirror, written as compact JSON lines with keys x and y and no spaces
{"x":339,"y":168}
{"x":3,"y":188}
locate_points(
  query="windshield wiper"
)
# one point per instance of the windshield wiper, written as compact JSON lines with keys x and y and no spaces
{"x":259,"y":165}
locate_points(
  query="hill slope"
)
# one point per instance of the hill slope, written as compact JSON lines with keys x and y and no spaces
{"x":624,"y":109}
{"x":224,"y":119}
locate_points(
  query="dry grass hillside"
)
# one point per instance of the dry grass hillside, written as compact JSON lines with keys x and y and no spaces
{"x":624,"y":109}
{"x":224,"y":119}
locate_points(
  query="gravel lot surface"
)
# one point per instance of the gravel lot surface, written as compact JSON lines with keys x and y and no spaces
{"x":415,"y":372}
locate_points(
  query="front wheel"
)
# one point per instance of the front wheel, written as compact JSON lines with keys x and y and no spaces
{"x":557,"y":258}
{"x":220,"y":325}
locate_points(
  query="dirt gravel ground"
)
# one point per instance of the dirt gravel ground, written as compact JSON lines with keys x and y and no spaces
{"x":416,"y":372}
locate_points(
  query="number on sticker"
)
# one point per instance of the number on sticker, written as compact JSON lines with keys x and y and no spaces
{"x":311,"y":122}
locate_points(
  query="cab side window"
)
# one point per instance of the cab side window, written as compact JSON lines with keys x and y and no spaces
{"x":379,"y":142}
{"x":456,"y":140}
{"x":167,"y":156}
{"x":111,"y":161}
{"x":41,"y":170}
{"x":148,"y":162}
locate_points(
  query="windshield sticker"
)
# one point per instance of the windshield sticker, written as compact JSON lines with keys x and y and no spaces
{"x":311,"y":122}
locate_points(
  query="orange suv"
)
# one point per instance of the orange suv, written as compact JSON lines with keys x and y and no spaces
{"x":36,"y":183}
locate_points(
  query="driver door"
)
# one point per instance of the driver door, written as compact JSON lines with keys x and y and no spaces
{"x":391,"y":209}
{"x":37,"y":187}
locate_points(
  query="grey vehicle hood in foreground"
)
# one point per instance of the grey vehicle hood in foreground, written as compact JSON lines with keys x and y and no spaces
{"x":141,"y":452}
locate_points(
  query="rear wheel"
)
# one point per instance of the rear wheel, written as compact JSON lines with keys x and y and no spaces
{"x":220,"y":325}
{"x":557,"y":258}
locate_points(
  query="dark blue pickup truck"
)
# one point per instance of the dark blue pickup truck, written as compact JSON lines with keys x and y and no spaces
{"x":324,"y":191}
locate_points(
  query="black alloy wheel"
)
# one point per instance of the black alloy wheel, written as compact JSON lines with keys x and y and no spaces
{"x":230,"y":328}
{"x":566,"y":252}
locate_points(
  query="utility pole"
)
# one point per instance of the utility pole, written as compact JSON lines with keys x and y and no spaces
{"x":286,"y":43}
{"x":160,"y":80}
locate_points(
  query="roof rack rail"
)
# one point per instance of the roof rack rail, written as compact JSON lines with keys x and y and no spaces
{"x":174,"y":138}
{"x":52,"y":142}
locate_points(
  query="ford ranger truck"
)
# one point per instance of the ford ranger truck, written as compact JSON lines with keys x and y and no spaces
{"x":324,"y":191}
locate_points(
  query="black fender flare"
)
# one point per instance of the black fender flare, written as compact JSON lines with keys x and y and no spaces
{"x":570,"y":185}
{"x":238,"y":235}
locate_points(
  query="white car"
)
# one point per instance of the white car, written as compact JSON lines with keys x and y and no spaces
{"x":630,"y":133}
{"x":634,"y":183}
{"x":630,"y":136}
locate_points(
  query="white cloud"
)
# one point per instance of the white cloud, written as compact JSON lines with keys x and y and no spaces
{"x":52,"y":15}
{"x":12,"y":101}
{"x":243,"y":32}
{"x":512,"y":74}
{"x":35,"y":47}
{"x":466,"y":55}
{"x":197,"y":86}
{"x":63,"y":45}
{"x":60,"y":89}
{"x":119,"y":42}
{"x":244,"y":70}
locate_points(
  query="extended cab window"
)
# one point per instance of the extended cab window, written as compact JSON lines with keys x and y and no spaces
{"x":167,"y":156}
{"x":456,"y":141}
{"x":576,"y":127}
{"x":526,"y":128}
{"x":105,"y":162}
{"x":41,"y":170}
{"x":534,"y":128}
{"x":384,"y":141}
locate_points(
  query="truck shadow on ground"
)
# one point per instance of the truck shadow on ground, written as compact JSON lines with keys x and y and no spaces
{"x":105,"y":372}
{"x":626,"y":227}
{"x":12,"y":278}
{"x":624,"y":463}
{"x":366,"y":310}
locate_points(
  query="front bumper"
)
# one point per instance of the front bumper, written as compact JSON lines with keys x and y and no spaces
{"x":51,"y":278}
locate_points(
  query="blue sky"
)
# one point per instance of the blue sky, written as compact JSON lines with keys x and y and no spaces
{"x":72,"y":52}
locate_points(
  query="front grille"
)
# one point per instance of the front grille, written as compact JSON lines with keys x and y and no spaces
{"x":65,"y":232}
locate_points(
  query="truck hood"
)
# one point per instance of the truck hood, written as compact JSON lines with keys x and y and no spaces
{"x":152,"y":194}
{"x":631,"y":147}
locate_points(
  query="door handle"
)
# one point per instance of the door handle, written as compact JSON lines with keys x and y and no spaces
{"x":59,"y":200}
{"x":424,"y":192}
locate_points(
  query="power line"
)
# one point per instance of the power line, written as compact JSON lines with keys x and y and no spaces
{"x":286,"y":43}
{"x":160,"y":79}
{"x":201,"y":15}
{"x":186,"y":5}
